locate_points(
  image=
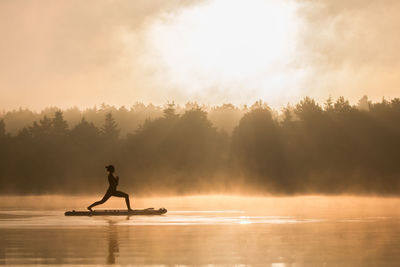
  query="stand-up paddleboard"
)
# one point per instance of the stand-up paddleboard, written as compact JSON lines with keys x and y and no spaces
{"x":149,"y":211}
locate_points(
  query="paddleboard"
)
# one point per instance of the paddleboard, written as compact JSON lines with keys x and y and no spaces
{"x":149,"y":211}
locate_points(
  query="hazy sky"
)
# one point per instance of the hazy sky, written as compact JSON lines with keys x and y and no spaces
{"x":81,"y":53}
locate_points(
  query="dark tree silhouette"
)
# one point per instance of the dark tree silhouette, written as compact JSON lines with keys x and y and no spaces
{"x":307,"y":148}
{"x":2,"y":129}
{"x":85,"y":132}
{"x":110,"y":129}
{"x":60,"y":126}
{"x":257,"y":147}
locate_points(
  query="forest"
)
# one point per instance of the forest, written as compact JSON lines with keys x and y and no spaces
{"x":306,"y":148}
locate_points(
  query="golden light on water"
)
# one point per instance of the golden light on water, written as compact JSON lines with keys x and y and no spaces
{"x":200,"y":230}
{"x":175,"y":94}
{"x":244,"y":220}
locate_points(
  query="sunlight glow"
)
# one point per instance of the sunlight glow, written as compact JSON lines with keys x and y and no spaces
{"x":245,"y":48}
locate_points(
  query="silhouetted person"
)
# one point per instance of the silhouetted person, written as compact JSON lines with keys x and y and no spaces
{"x":112,"y":190}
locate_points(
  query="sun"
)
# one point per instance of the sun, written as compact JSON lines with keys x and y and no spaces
{"x":229,"y":50}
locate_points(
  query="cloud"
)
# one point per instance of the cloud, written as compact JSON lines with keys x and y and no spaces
{"x":351,"y":47}
{"x":72,"y":52}
{"x":83,"y":53}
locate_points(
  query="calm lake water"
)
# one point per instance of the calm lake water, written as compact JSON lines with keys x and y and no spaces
{"x":319,"y":231}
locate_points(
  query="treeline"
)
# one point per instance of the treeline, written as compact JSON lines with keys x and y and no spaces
{"x":224,"y":117}
{"x":306,"y":149}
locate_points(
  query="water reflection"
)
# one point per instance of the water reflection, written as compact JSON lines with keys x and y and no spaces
{"x":2,"y":253}
{"x":190,"y":238}
{"x":113,"y":246}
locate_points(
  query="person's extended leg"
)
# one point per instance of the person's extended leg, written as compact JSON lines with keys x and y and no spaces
{"x":125,"y":195}
{"x":104,"y":199}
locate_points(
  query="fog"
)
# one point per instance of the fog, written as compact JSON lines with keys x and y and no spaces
{"x":61,"y":60}
{"x":72,"y":53}
{"x":203,"y":230}
{"x":69,"y":53}
{"x":308,"y":148}
{"x":343,"y":206}
{"x":350,"y":47}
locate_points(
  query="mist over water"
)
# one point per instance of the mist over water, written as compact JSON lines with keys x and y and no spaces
{"x":200,"y":230}
{"x":312,"y":183}
{"x":296,"y":188}
{"x":304,"y":206}
{"x":309,"y":148}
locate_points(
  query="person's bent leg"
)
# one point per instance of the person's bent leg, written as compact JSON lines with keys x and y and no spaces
{"x":124,"y":195}
{"x":104,"y":199}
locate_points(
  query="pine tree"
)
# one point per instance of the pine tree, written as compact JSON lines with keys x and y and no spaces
{"x":110,"y":128}
{"x":85,"y":131}
{"x":60,"y":126}
{"x":169,"y":111}
{"x":44,"y":127}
